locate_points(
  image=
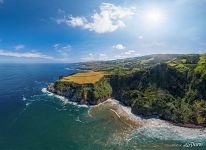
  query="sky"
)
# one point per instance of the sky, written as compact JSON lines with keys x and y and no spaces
{"x":65,"y":31}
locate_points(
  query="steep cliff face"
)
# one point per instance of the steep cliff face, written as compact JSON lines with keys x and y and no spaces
{"x":89,"y":94}
{"x":164,"y":91}
{"x":174,"y":91}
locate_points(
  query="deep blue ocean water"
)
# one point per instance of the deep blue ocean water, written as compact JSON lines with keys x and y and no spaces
{"x":33,"y":120}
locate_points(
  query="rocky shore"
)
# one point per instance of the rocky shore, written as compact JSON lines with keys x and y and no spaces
{"x":130,"y":123}
{"x":121,"y":111}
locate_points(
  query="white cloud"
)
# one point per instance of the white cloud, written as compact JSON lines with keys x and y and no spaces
{"x":103,"y":57}
{"x":77,"y":21}
{"x":137,"y":54}
{"x":59,"y":21}
{"x":118,"y":56}
{"x":62,"y":49}
{"x":108,"y":19}
{"x":90,"y":57}
{"x":110,"y":56}
{"x":95,"y":57}
{"x":129,"y":52}
{"x":61,"y":11}
{"x":24,"y":54}
{"x":119,"y":46}
{"x":19,"y":46}
{"x":56,"y":45}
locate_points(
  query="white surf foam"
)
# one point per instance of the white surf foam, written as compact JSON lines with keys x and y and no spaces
{"x":157,"y":128}
{"x":153,"y":128}
{"x":24,"y":98}
{"x":61,"y":98}
{"x":28,"y":103}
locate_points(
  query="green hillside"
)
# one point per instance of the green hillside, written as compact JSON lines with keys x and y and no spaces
{"x":170,"y":86}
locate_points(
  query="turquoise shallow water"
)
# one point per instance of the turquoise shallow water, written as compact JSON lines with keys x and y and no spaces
{"x":33,"y":120}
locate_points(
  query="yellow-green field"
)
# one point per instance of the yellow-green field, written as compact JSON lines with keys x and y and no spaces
{"x":84,"y":77}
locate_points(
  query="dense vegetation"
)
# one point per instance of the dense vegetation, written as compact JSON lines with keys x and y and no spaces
{"x":89,"y":93}
{"x":172,"y":87}
{"x":174,"y":90}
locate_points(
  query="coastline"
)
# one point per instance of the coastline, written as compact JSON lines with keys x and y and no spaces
{"x":122,"y":111}
{"x":62,"y":98}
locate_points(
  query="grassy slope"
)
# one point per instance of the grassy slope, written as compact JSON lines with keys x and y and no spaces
{"x":84,"y":77}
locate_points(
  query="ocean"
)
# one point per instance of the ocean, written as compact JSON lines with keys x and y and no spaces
{"x":33,"y":119}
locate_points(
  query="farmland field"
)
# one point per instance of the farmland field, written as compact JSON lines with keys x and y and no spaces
{"x":84,"y":77}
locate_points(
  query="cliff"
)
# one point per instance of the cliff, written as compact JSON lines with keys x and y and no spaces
{"x":174,"y":90}
{"x":83,"y":90}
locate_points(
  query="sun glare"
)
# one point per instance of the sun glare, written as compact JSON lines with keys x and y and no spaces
{"x":154,"y":17}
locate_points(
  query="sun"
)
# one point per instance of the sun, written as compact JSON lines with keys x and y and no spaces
{"x":154,"y":17}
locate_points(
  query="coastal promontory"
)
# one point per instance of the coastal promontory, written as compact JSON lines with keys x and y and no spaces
{"x":84,"y":88}
{"x":171,"y":87}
